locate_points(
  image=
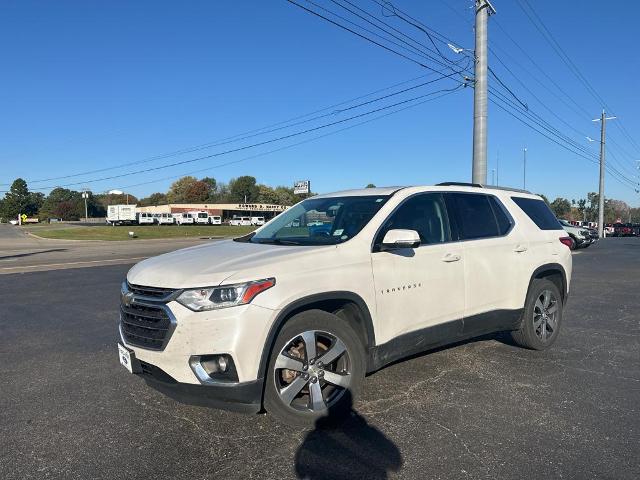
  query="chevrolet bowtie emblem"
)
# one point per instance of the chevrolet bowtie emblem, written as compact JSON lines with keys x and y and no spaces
{"x":128,"y":299}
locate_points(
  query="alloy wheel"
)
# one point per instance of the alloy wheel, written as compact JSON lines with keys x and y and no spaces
{"x":312,"y":371}
{"x":545,"y":315}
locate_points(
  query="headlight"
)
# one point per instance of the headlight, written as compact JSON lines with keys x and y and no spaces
{"x":212,"y":298}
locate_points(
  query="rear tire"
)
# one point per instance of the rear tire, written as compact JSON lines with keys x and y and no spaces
{"x":325,"y":362}
{"x":542,"y":316}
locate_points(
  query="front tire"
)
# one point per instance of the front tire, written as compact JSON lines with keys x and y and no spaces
{"x":316,"y":368}
{"x":542,"y":316}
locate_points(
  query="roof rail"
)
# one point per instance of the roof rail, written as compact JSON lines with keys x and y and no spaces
{"x":508,"y":189}
{"x":478,"y":185}
{"x":458,"y":184}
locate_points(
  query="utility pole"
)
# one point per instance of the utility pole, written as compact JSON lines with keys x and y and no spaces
{"x":497,"y":168}
{"x":85,"y":195}
{"x":493,"y":176}
{"x":524,"y":168}
{"x":480,"y":97}
{"x":603,"y":128}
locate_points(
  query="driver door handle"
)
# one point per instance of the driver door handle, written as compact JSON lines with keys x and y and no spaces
{"x":451,"y":257}
{"x":520,"y":248}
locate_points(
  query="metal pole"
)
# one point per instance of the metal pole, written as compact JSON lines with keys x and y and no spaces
{"x":603,"y":120}
{"x":479,"y":165}
{"x":498,"y":168}
{"x":524,"y":169}
{"x":493,"y":176}
{"x":86,"y":211}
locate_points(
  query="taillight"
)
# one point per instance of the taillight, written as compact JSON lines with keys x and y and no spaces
{"x":566,"y":241}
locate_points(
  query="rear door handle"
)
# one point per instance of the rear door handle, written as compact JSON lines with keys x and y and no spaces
{"x":520,"y":248}
{"x":451,"y":257}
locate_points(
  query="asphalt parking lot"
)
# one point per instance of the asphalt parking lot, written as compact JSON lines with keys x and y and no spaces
{"x":481,"y":409}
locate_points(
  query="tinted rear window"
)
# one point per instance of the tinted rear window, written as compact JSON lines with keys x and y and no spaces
{"x":539,"y":212}
{"x":475,"y":216}
{"x":503,"y":219}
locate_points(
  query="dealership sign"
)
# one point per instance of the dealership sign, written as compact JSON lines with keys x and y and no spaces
{"x":302,"y":186}
{"x":256,"y":207}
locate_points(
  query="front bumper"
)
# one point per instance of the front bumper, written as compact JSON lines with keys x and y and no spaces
{"x":240,"y":332}
{"x":243,"y":397}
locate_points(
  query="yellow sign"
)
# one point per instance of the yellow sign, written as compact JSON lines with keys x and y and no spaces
{"x":23,"y":217}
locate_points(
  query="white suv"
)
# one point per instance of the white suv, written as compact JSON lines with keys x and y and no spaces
{"x":290,"y":318}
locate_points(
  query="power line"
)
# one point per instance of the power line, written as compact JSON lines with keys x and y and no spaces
{"x":244,"y":147}
{"x":361,"y":16}
{"x":575,"y":106}
{"x":249,"y":134}
{"x":562,"y":140}
{"x":548,"y":36}
{"x":364,"y":37}
{"x":444,"y":93}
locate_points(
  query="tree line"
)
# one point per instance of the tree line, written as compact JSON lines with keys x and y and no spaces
{"x":69,"y":204}
{"x":586,"y":209}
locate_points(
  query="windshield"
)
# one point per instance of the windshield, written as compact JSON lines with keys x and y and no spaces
{"x":321,"y":221}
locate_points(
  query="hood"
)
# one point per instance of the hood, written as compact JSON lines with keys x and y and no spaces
{"x":211,"y":263}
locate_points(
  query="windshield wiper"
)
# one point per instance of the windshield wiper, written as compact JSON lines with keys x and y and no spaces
{"x":276,"y":241}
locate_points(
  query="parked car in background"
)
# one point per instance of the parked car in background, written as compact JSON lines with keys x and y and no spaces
{"x":164,"y":219}
{"x":200,"y":218}
{"x":145,"y":218}
{"x":240,"y":221}
{"x":259,"y":221}
{"x":608,"y":230}
{"x":593,"y":233}
{"x":580,"y":235}
{"x":623,"y":230}
{"x":184,"y":218}
{"x":215,"y":220}
{"x":291,"y":320}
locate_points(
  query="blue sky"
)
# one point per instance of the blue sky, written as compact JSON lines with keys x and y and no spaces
{"x":91,"y":85}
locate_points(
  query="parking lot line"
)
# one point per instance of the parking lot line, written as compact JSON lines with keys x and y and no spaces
{"x":55,"y":266}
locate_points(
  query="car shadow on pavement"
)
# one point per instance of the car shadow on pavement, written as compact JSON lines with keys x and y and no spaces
{"x":346,"y":448}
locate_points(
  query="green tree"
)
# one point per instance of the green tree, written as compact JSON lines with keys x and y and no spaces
{"x":370,"y":185}
{"x":19,"y":200}
{"x":243,"y":189}
{"x":213,"y":188}
{"x":266,"y":194}
{"x":178,"y":191}
{"x":197,"y":192}
{"x":63,"y":203}
{"x":154,"y":199}
{"x":582,"y":208}
{"x":592,"y":206}
{"x":561,"y":207}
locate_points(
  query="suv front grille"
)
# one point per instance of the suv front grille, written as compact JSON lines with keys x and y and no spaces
{"x":145,"y":325}
{"x":150,"y":292}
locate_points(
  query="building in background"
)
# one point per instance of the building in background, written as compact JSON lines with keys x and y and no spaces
{"x":225,"y":210}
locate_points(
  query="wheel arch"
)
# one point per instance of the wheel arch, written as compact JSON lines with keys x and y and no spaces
{"x":554,"y":272}
{"x":329,"y":302}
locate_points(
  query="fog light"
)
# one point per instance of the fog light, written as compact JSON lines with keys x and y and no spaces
{"x":213,"y":368}
{"x":222,"y":364}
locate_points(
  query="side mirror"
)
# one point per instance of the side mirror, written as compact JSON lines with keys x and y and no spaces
{"x":400,"y":239}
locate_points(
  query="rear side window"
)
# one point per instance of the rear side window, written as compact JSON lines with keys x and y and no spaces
{"x":475,"y":216}
{"x":539,"y":212}
{"x":502,"y":217}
